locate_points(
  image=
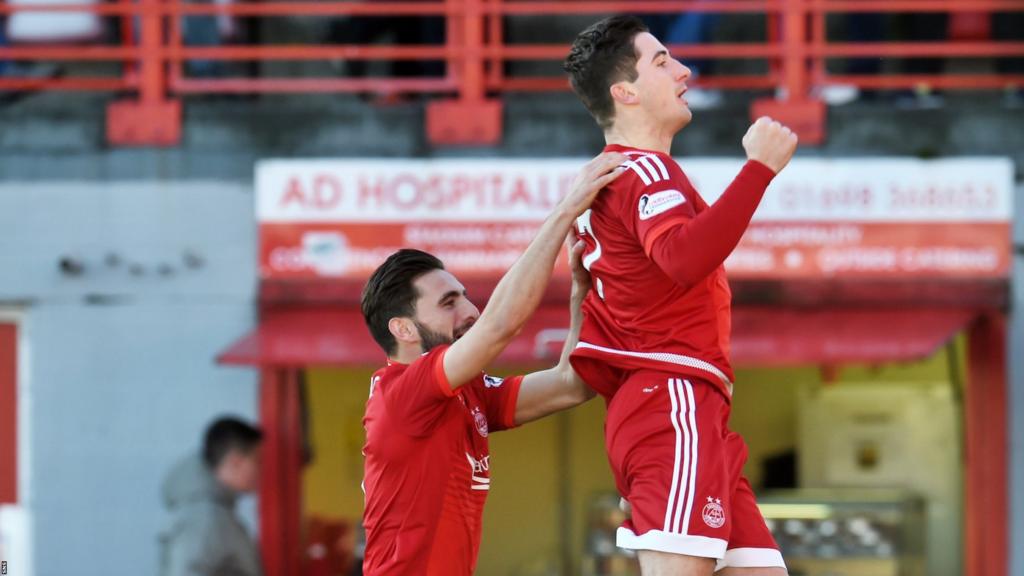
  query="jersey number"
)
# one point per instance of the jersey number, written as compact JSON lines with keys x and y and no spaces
{"x":585,"y":228}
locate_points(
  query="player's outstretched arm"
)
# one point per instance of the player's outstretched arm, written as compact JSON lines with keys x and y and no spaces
{"x":690,"y":252}
{"x":558,"y":388}
{"x":520,"y":290}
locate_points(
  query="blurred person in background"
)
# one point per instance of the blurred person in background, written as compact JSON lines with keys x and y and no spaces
{"x":3,"y":44}
{"x":856,"y":27}
{"x":925,"y":27}
{"x":870,"y":27}
{"x":206,"y":537}
{"x":208,"y":30}
{"x":403,"y":30}
{"x":1009,"y":26}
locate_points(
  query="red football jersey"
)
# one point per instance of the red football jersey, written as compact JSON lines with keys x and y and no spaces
{"x":427,"y":469}
{"x":636,"y":316}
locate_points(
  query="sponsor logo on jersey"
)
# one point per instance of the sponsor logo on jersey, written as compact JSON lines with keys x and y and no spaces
{"x":481,"y":422}
{"x":713,"y":513}
{"x":653,"y":204}
{"x":492,"y":381}
{"x":480,"y":478}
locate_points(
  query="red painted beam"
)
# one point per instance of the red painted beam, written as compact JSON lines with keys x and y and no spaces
{"x":951,"y":81}
{"x":68,"y":84}
{"x":280,"y":482}
{"x":311,"y":85}
{"x":986,"y":501}
{"x":8,"y":414}
{"x":926,"y":49}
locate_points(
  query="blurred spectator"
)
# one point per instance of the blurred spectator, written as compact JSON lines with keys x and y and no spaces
{"x":909,"y":27}
{"x":923,"y":27}
{"x":865,"y":27}
{"x":207,"y":30}
{"x":206,"y":537}
{"x":1009,"y":26}
{"x":397,"y":30}
{"x":3,"y":43}
{"x":859,"y":27}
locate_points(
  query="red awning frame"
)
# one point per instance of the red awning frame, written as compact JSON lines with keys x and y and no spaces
{"x":762,"y":336}
{"x":777,"y":337}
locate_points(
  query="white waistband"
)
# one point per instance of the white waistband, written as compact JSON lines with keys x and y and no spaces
{"x":668,"y":358}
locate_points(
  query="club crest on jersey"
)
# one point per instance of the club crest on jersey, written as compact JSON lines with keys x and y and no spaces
{"x":713,"y":513}
{"x":653,"y":204}
{"x":481,"y":422}
{"x":492,"y":381}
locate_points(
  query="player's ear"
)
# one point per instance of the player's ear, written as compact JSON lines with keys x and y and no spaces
{"x":404,"y":330}
{"x":624,"y":93}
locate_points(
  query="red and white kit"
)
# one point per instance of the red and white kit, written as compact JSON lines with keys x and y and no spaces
{"x":655,"y":344}
{"x":428,"y":466}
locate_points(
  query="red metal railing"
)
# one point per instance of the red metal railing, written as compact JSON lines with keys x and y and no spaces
{"x":475,"y":52}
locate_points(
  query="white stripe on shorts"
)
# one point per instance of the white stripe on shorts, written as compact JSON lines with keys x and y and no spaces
{"x":670,"y":506}
{"x":684,"y":471}
{"x":693,"y":458}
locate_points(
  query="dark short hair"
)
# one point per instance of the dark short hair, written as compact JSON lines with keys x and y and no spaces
{"x":602,"y":55}
{"x":390,"y":293}
{"x":228,"y":434}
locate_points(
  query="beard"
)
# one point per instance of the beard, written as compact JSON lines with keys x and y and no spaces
{"x":430,"y":339}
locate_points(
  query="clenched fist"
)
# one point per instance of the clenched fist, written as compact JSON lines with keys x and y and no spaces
{"x":770,"y":143}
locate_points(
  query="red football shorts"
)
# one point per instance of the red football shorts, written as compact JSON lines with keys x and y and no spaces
{"x":680,"y":468}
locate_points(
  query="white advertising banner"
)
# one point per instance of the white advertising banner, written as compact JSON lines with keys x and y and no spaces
{"x":819,"y":218}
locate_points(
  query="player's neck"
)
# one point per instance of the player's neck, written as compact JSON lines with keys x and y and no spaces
{"x":405,"y":355}
{"x":639,"y":135}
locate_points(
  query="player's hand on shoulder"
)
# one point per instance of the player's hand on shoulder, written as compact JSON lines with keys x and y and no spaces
{"x":770,"y":143}
{"x":597,"y":174}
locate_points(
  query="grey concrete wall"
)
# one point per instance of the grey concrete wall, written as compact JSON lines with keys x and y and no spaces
{"x":60,"y":134}
{"x":121,"y":372}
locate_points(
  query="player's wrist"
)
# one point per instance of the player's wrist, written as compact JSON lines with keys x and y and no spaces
{"x":563,"y":216}
{"x":579,"y":291}
{"x":759,"y":170}
{"x":577,"y":296}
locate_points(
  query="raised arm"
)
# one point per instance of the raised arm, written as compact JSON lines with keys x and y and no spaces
{"x":558,"y":388}
{"x":716,"y":231}
{"x":519,"y":291}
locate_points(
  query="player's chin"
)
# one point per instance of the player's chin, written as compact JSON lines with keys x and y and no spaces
{"x":683,"y":118}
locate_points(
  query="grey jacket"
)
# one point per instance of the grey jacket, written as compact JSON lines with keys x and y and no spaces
{"x":205,"y":537}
